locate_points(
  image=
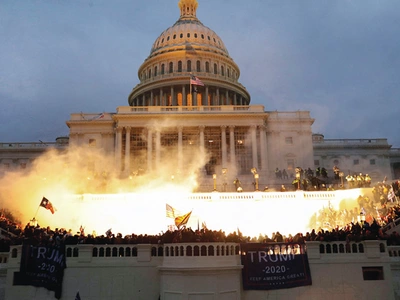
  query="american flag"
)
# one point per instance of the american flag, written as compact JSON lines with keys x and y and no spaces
{"x":170,"y":211}
{"x":195,"y":81}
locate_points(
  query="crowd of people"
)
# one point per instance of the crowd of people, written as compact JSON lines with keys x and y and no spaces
{"x":320,"y":179}
{"x":366,"y":221}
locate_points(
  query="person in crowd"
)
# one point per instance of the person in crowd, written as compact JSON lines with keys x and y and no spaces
{"x":238,"y":184}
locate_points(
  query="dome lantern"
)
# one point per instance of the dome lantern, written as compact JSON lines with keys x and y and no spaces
{"x":188,"y":8}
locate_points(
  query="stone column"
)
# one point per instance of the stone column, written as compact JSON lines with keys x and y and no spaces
{"x":127,"y":167}
{"x":235,"y":99}
{"x":205,"y":101}
{"x":158,"y":149}
{"x":150,"y":149}
{"x":194,"y":102}
{"x":232,"y":145}
{"x":223,"y":146}
{"x":202,"y":150}
{"x":161,"y":98}
{"x":184,"y":100}
{"x":227,"y":102}
{"x":118,"y":148}
{"x":217,"y":100}
{"x":173,"y":100}
{"x":151,"y":98}
{"x":263,"y":146}
{"x":180,"y":147}
{"x":254,"y":145}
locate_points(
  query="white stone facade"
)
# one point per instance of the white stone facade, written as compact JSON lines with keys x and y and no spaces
{"x":209,"y":274}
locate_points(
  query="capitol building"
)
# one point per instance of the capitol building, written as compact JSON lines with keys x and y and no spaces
{"x":190,"y":117}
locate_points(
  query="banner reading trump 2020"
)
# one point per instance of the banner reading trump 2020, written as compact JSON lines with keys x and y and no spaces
{"x":42,"y":266}
{"x":274,"y":266}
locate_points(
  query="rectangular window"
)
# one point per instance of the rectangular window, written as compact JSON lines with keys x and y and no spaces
{"x":356,"y":162}
{"x":290,"y":164}
{"x":289,"y":140}
{"x":372,"y":273}
{"x":92,"y":142}
{"x":372,"y":161}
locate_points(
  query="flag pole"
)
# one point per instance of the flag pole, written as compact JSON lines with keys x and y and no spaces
{"x":191,"y":97}
{"x":38,"y":208}
{"x":36,"y":212}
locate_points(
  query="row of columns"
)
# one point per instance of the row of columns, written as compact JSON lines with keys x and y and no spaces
{"x":215,"y":101}
{"x":224,"y":152}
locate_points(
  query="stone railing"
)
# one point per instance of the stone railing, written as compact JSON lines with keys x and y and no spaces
{"x":389,"y":228}
{"x":200,"y":249}
{"x":34,"y":145}
{"x":365,"y":249}
{"x":190,"y":109}
{"x":394,"y":251}
{"x":352,"y":141}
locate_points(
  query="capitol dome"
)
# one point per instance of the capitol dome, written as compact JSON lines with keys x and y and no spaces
{"x":188,"y":31}
{"x":186,"y":50}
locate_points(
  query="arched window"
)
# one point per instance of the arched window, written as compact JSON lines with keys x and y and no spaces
{"x":228,"y":72}
{"x":149,"y":73}
{"x":222,"y":71}
{"x":171,"y":67}
{"x":189,"y":65}
{"x":179,"y":66}
{"x":162,"y":69}
{"x":198,"y":69}
{"x":155,"y":71}
{"x":215,"y":69}
{"x":181,"y":35}
{"x":207,"y":67}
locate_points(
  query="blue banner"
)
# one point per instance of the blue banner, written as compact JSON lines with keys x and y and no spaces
{"x":42,"y":266}
{"x":274,"y":266}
